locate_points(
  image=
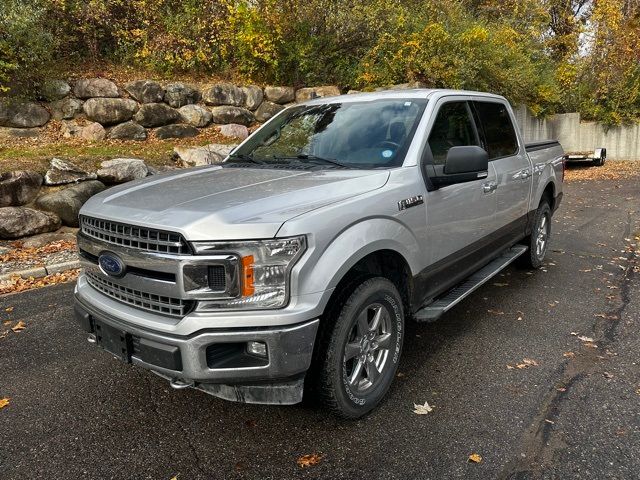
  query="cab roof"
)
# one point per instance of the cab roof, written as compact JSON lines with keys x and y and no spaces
{"x":400,"y":93}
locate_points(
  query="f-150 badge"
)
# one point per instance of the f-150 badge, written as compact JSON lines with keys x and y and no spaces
{"x":410,"y":202}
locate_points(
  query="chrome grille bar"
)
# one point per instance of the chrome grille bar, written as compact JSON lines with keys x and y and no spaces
{"x":133,"y":236}
{"x":146,"y":301}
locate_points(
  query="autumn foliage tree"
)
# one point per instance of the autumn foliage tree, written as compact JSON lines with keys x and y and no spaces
{"x":553,"y":55}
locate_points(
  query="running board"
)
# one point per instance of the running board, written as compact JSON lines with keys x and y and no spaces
{"x":448,"y":300}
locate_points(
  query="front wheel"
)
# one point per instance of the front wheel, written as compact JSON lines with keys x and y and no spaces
{"x":538,"y":241}
{"x":362,"y":350}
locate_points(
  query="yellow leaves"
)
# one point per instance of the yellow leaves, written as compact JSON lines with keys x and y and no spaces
{"x":422,"y":409}
{"x":8,"y":309}
{"x":526,"y":363}
{"x":306,"y":461}
{"x":18,"y":284}
{"x":18,"y":327}
{"x":3,"y":402}
{"x":475,"y":458}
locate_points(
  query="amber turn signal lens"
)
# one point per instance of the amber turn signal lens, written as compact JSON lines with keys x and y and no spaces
{"x":248,"y":277}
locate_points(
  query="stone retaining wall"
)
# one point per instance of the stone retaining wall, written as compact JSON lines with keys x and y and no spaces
{"x":97,"y":108}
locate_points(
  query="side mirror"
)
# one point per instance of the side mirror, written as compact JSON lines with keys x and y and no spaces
{"x":463,"y":164}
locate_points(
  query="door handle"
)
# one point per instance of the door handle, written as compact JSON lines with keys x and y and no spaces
{"x":522,"y":174}
{"x":489,"y":187}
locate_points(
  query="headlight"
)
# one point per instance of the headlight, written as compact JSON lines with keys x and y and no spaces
{"x":264,"y":268}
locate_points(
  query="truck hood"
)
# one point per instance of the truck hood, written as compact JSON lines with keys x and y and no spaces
{"x":215,"y":203}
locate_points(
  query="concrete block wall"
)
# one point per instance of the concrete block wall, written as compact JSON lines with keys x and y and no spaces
{"x":622,"y":143}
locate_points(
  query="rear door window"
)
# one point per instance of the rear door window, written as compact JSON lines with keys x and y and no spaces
{"x":453,"y":127}
{"x":499,"y":134}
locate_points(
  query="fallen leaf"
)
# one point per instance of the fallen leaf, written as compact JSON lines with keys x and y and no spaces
{"x":309,"y":460}
{"x":422,"y":409}
{"x":495,"y":312}
{"x":600,"y":315}
{"x":8,"y":309}
{"x":549,"y":421}
{"x":475,"y":458}
{"x":500,"y":284}
{"x":608,"y":375}
{"x":526,"y":363}
{"x":175,"y":477}
{"x":251,"y":423}
{"x":585,"y":339}
{"x":568,"y":354}
{"x":7,"y":323}
{"x":18,"y":327}
{"x":3,"y":402}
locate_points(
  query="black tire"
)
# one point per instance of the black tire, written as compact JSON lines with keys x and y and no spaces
{"x":531,"y":258}
{"x":598,"y":162}
{"x":333,"y":385}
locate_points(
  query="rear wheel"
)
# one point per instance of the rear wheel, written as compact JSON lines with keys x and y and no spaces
{"x":538,"y":241}
{"x":360,"y":353}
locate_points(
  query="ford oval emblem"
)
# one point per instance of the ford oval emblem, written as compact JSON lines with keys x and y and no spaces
{"x":111,"y":265}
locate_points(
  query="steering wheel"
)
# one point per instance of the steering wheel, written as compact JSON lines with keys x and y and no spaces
{"x":387,"y":143}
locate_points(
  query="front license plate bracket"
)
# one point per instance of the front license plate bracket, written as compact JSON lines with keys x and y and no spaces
{"x":113,"y":340}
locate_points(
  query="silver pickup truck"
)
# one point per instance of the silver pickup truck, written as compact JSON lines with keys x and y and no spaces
{"x":292,"y":267}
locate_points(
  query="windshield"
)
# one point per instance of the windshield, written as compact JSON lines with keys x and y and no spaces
{"x":372,"y":134}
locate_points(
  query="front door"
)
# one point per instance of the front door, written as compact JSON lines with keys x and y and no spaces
{"x":460,"y":217}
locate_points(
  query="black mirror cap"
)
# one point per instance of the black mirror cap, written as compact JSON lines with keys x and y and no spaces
{"x":466,"y":159}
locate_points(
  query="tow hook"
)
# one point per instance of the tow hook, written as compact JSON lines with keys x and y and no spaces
{"x":180,"y":384}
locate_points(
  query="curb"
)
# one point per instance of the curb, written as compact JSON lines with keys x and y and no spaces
{"x":38,"y":272}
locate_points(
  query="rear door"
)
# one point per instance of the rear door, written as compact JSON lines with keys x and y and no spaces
{"x":511,"y":164}
{"x":460,"y":217}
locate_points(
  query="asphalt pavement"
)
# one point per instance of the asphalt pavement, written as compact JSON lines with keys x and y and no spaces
{"x":572,"y":412}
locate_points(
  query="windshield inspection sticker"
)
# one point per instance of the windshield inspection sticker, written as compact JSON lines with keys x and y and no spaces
{"x":387,"y":153}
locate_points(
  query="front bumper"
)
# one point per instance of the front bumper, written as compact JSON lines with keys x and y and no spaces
{"x":214,"y":360}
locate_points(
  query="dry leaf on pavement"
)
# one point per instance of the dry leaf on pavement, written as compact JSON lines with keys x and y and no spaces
{"x":18,"y":327}
{"x":8,"y":309}
{"x":3,"y":402}
{"x":309,"y":460}
{"x":475,"y":458}
{"x":422,"y":409}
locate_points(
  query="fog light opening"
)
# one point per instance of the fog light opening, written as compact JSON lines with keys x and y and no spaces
{"x":258,"y":349}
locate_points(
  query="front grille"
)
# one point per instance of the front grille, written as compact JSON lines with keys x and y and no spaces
{"x":146,"y":301}
{"x":132,"y":236}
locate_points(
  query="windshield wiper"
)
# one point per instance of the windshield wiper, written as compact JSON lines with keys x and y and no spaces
{"x":243,"y":157}
{"x":314,"y":158}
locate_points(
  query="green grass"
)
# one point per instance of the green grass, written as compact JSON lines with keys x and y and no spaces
{"x":28,"y":156}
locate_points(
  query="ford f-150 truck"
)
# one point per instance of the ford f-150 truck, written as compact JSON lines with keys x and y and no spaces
{"x":292,"y":267}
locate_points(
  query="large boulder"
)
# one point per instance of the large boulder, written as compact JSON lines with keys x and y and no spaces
{"x":62,"y":172}
{"x":178,"y":94}
{"x":65,"y":109}
{"x":155,"y":115}
{"x":310,"y":93}
{"x":233,"y":130}
{"x":196,"y":115}
{"x":94,"y":132}
{"x":176,"y":131}
{"x":232,"y":115}
{"x":66,"y":203}
{"x":253,"y":96}
{"x":16,"y":222}
{"x":280,"y":95}
{"x":22,"y":114}
{"x":121,"y":170}
{"x":224,"y":94}
{"x":199,"y":156}
{"x":6,"y":132}
{"x":145,"y":91}
{"x":267,"y":110}
{"x":70,"y":129}
{"x":19,"y":188}
{"x":109,"y":111}
{"x":54,"y":90}
{"x":95,"y":87}
{"x":128,"y":131}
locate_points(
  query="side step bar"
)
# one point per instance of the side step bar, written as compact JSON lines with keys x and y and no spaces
{"x":448,"y":300}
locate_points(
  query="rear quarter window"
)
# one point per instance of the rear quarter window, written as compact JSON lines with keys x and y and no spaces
{"x":500,"y":136}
